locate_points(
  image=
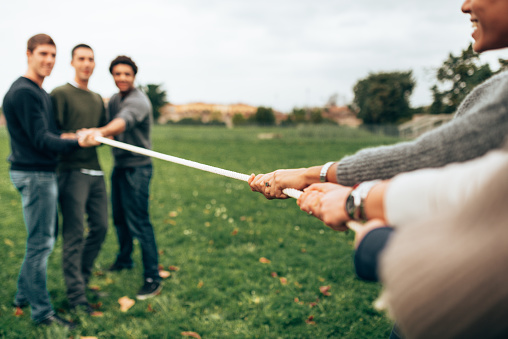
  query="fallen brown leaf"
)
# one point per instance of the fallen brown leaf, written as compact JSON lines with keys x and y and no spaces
{"x":274,"y":274}
{"x":310,"y":320}
{"x":325,"y":290}
{"x":125,"y":303}
{"x":191,"y":334}
{"x":235,"y":231}
{"x":19,"y":312}
{"x":164,"y":274}
{"x":283,"y":280}
{"x":263,"y":260}
{"x":174,"y":268}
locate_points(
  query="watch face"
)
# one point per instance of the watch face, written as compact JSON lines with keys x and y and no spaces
{"x":350,"y":206}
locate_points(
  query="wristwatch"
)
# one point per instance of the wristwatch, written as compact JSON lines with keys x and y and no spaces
{"x":324,"y":171}
{"x":355,"y":200}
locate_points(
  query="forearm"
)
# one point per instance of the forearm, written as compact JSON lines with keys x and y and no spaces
{"x":114,"y":127}
{"x":374,"y":202}
{"x":312,"y":174}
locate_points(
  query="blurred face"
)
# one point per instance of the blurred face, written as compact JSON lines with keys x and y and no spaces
{"x":490,"y":23}
{"x":83,"y":62}
{"x":41,"y":60}
{"x":124,"y":77}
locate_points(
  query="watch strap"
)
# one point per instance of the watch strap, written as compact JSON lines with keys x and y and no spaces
{"x":324,"y":171}
{"x":358,"y":194}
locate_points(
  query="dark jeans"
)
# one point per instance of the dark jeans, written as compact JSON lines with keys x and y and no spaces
{"x":79,"y":194}
{"x":39,"y":196}
{"x":129,"y":198}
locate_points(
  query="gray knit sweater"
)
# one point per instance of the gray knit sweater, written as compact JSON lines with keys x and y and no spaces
{"x":480,"y":124}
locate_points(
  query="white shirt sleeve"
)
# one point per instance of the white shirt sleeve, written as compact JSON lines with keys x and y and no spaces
{"x":412,"y":197}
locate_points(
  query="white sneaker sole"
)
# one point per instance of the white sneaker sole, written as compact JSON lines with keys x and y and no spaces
{"x":153,"y":294}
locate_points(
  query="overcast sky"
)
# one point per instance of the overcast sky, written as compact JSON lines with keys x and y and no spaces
{"x":278,"y":53}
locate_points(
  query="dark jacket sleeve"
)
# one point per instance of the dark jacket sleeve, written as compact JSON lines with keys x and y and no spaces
{"x":367,"y":254}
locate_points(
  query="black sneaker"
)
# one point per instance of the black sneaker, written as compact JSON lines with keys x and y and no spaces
{"x":55,"y":319}
{"x":150,"y":289}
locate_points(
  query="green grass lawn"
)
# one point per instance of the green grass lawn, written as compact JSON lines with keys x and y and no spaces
{"x":215,"y":230}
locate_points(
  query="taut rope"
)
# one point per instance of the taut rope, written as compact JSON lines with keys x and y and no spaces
{"x":290,"y":192}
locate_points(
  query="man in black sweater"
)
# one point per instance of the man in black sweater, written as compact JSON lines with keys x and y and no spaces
{"x":35,"y":145}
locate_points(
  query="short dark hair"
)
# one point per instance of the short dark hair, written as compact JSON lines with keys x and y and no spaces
{"x":80,"y":46}
{"x":37,"y":40}
{"x":122,"y":59}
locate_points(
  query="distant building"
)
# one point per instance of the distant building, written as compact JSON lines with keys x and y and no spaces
{"x":208,"y":112}
{"x":422,"y":123}
{"x":342,"y":115}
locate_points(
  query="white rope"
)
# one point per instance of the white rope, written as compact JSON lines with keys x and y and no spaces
{"x":290,"y":192}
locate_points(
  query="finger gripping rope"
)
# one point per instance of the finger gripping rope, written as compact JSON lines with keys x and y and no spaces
{"x":290,"y":192}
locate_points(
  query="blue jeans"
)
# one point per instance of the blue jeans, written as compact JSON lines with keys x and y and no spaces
{"x":129,"y":200}
{"x":39,"y":194}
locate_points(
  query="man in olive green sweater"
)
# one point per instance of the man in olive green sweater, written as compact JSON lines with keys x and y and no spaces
{"x":81,"y":185}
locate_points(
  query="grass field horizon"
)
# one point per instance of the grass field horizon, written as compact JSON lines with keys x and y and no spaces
{"x":215,"y":230}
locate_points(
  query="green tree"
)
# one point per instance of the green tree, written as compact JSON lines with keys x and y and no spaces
{"x":157,"y":97}
{"x":264,"y":116}
{"x":458,"y":75}
{"x":316,"y":116}
{"x":297,"y":115}
{"x":239,"y":119}
{"x":383,"y":98}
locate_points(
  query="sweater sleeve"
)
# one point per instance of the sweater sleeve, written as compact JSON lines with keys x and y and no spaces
{"x":472,"y":134}
{"x":416,"y":196}
{"x":135,"y":110}
{"x":37,"y":127}
{"x":368,"y":253}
